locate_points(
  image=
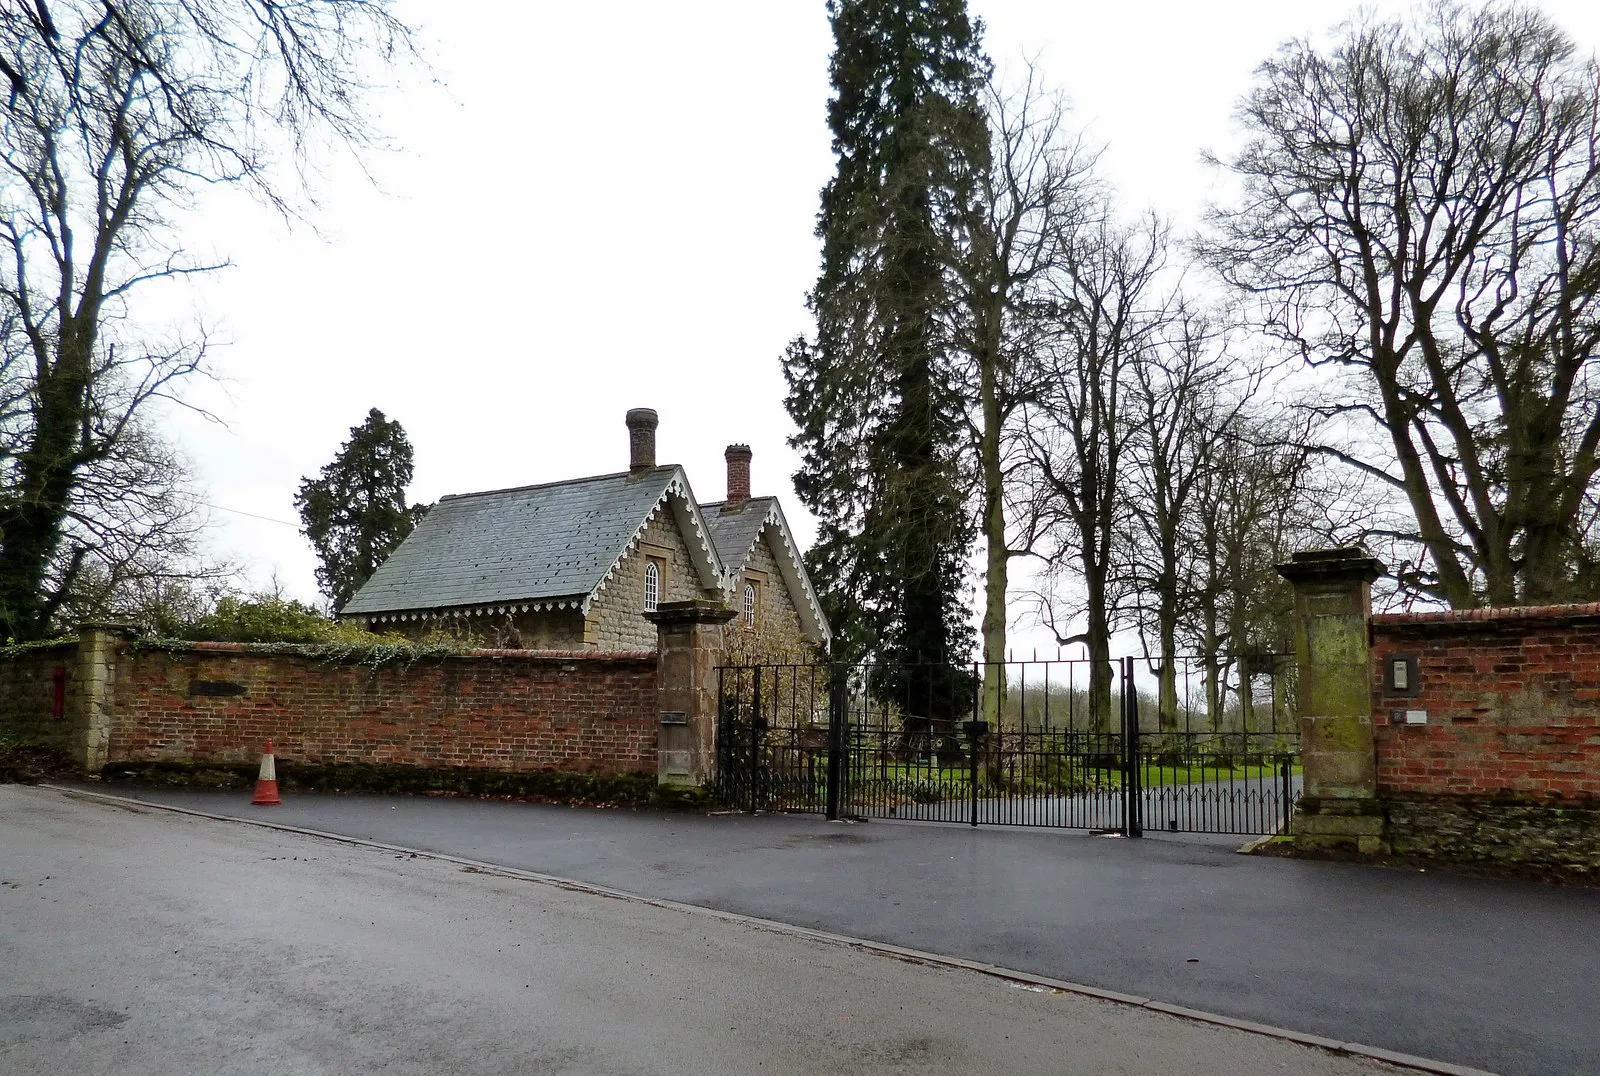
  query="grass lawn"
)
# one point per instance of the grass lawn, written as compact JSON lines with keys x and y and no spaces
{"x":1044,"y":775}
{"x":1154,"y":775}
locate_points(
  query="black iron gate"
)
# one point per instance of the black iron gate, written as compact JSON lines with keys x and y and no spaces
{"x":1073,"y":746}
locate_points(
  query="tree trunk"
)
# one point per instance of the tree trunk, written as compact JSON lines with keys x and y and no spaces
{"x":30,"y":526}
{"x":1247,"y":696}
{"x":1238,"y":634}
{"x":1211,"y":664}
{"x":1098,"y":640}
{"x":1285,"y":715}
{"x":1167,"y":689}
{"x":994,"y":536}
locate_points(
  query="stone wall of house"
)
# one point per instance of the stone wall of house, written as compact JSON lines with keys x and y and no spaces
{"x":545,"y":629}
{"x":776,"y":636}
{"x":28,"y":690}
{"x":616,"y":616}
{"x":504,"y":710}
{"x":1499,"y":758}
{"x":550,"y":629}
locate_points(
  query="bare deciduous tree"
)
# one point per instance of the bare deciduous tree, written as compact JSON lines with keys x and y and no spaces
{"x":133,"y":532}
{"x":1109,"y":307}
{"x":1187,"y":392}
{"x":1421,"y":213}
{"x":1037,"y":194}
{"x":1246,"y":513}
{"x":113,"y":114}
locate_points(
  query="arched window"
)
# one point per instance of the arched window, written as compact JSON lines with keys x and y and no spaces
{"x":652,"y":586}
{"x":749,"y":605}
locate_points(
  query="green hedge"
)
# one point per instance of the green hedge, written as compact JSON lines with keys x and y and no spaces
{"x":631,"y":790}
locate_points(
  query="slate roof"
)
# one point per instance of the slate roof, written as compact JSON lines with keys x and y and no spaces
{"x":735,"y":532}
{"x":735,"y":535}
{"x":547,"y":544}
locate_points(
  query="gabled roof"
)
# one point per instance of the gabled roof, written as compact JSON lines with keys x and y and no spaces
{"x":736,"y":532}
{"x":542,"y":546}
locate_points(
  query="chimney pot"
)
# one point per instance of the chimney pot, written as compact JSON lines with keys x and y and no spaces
{"x":738,"y":457}
{"x":642,"y":439}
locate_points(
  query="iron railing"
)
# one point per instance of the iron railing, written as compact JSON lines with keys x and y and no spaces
{"x":1069,"y":748}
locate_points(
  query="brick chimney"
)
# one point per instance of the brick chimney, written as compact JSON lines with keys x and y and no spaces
{"x":738,"y":457}
{"x":641,"y":439}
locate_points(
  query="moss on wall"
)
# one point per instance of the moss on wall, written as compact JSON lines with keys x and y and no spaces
{"x":1500,"y":830}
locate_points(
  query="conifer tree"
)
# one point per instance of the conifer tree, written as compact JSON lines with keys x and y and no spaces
{"x":355,"y":513}
{"x":875,"y":392}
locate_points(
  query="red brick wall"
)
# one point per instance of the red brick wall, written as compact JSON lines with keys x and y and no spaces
{"x":491,"y":709}
{"x":1512,"y":698}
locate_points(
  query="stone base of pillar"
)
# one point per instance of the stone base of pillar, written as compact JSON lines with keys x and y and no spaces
{"x":678,"y":759}
{"x":1343,"y":825}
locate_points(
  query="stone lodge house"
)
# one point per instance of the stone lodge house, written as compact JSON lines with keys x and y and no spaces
{"x":575,"y":565}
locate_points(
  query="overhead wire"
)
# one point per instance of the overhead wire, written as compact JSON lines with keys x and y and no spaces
{"x":252,"y":515}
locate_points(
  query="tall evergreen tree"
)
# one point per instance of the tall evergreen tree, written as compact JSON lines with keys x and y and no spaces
{"x":876,"y":393}
{"x":355,"y":513}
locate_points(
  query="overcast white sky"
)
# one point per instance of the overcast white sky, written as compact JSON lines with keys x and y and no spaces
{"x":610,"y":205}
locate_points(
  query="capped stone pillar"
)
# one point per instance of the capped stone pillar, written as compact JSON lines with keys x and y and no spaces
{"x":690,"y":647}
{"x":92,"y":707}
{"x":1339,"y":807}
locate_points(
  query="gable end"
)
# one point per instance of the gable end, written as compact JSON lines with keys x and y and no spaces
{"x":678,"y":499}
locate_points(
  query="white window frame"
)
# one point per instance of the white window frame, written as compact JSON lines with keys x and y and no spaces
{"x":750,"y":596}
{"x":652,"y":586}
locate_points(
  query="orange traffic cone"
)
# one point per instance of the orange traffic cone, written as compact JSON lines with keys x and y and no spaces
{"x":267,"y":783}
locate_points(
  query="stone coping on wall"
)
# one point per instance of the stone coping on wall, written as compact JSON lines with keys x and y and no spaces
{"x":338,"y":651}
{"x":1484,"y":619}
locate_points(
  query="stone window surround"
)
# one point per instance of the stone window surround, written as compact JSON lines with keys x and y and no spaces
{"x":754,"y":581}
{"x":659,"y":556}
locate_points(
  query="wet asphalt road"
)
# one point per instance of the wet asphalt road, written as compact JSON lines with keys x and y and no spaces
{"x":141,"y":942}
{"x":1497,"y":974}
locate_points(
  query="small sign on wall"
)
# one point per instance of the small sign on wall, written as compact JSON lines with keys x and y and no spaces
{"x":1400,"y":675}
{"x":215,"y":688}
